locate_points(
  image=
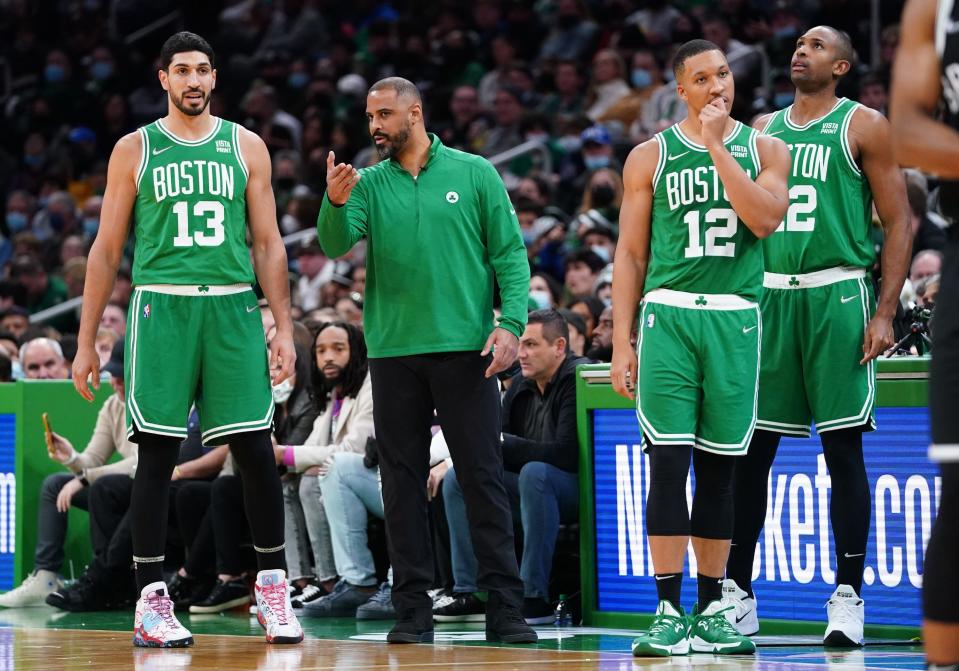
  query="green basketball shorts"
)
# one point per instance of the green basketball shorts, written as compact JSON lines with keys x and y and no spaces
{"x":189,"y":344}
{"x":812,"y":344}
{"x":698,"y":370}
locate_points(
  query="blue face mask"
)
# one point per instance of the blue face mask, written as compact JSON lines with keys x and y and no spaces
{"x":783,"y":99}
{"x":601,"y":252}
{"x":528,"y":236}
{"x":543,"y":299}
{"x":90,"y":226}
{"x":101,"y":70}
{"x":16,"y":221}
{"x":641,"y":78}
{"x":56,"y":222}
{"x":596,"y":162}
{"x":297,"y":80}
{"x":16,"y":371}
{"x":54,"y":73}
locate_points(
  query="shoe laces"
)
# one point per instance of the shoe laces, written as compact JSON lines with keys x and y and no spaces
{"x":275,"y":597}
{"x":309,"y":593}
{"x":718,"y":620}
{"x":844,"y":610}
{"x":162,"y":606}
{"x":383,"y":596}
{"x":663,"y":624}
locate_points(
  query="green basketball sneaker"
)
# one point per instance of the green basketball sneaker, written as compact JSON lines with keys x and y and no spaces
{"x":710,"y":631}
{"x":666,"y":635}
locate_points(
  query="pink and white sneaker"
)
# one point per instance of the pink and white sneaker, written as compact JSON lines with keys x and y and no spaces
{"x":155,"y":625}
{"x":274,"y":610}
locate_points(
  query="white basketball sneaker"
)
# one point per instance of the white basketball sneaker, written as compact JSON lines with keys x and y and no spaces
{"x":847,"y":615}
{"x":32,"y":591}
{"x":154,"y":624}
{"x":274,"y":610}
{"x":742,"y":615}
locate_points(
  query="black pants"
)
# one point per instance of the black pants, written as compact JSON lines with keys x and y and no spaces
{"x":109,"y":520}
{"x":192,"y":505}
{"x":231,"y":531}
{"x":940,"y":594}
{"x":406,"y":390}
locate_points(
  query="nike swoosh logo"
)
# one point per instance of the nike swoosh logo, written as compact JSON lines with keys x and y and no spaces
{"x":252,"y":308}
{"x":662,"y":577}
{"x":157,"y":152}
{"x":846,"y":299}
{"x":673,"y":158}
{"x":747,"y":330}
{"x":745,"y":615}
{"x":849,"y":556}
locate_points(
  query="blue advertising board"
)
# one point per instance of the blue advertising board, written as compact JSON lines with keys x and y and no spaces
{"x":794,"y":570}
{"x":8,"y":499}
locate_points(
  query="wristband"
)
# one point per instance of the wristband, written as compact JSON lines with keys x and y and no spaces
{"x":288,"y":456}
{"x":82,"y":477}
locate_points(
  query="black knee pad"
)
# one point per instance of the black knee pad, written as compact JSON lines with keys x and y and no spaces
{"x":666,"y":511}
{"x":940,"y":589}
{"x":712,"y":515}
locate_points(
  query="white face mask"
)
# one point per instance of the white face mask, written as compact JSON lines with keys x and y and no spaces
{"x":282,"y":391}
{"x":543,"y":299}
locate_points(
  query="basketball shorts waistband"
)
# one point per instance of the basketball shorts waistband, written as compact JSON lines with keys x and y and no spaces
{"x":684,"y":299}
{"x":195,"y":289}
{"x":820,"y":278}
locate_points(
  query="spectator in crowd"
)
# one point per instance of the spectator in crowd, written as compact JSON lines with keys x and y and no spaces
{"x":926,"y":234}
{"x":646,"y":75}
{"x":589,"y":308}
{"x":350,"y":310}
{"x":60,"y":491}
{"x":115,"y":318}
{"x":106,"y":339}
{"x":924,"y":264}
{"x":15,"y":320}
{"x":582,"y":271}
{"x":58,"y":218}
{"x":601,"y":344}
{"x":573,"y":34}
{"x":577,"y":331}
{"x":504,"y":55}
{"x":42,"y":290}
{"x":873,"y":92}
{"x":608,"y":84}
{"x":567,"y":99}
{"x":315,"y":271}
{"x":345,"y":423}
{"x":544,"y":291}
{"x":42,"y":359}
{"x":467,"y":121}
{"x":657,"y":21}
{"x":507,"y":114}
{"x":541,"y":457}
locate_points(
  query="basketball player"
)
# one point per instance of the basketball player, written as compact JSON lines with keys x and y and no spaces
{"x":699,"y":196}
{"x":926,"y":81}
{"x":822,"y":329}
{"x":191,"y":180}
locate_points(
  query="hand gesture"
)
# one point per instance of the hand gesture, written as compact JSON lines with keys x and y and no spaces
{"x":282,"y":357}
{"x":65,"y":497}
{"x":86,"y":367}
{"x":59,"y":448}
{"x":878,"y":338}
{"x":623,"y":372}
{"x":437,"y":473}
{"x":340,"y":180}
{"x":504,"y":346}
{"x":713,"y":119}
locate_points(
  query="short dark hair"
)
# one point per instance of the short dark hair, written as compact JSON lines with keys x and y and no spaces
{"x":181,"y":42}
{"x":554,"y":324}
{"x":688,"y":50}
{"x":355,"y":372}
{"x":403,"y":87}
{"x":844,"y":45}
{"x":587,"y":256}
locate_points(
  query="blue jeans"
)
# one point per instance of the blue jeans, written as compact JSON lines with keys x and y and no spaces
{"x":306,"y":528}
{"x":349,"y":491}
{"x":544,"y":496}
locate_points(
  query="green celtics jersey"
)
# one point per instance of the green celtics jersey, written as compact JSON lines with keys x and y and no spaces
{"x":697,"y":243}
{"x":830,"y":203}
{"x":190,"y":211}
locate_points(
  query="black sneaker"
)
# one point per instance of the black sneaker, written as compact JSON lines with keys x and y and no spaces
{"x":186,"y":591}
{"x":537,"y":611}
{"x":224,"y":596}
{"x":460,"y":608}
{"x":306,"y":594}
{"x":505,"y":624}
{"x":412,"y":626}
{"x":83,"y":596}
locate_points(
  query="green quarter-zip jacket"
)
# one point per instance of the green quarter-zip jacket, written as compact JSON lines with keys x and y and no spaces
{"x":434,"y":246}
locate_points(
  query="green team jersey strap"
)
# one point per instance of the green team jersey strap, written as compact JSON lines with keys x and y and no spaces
{"x":190,"y":209}
{"x":698,"y":244}
{"x":828,"y":223}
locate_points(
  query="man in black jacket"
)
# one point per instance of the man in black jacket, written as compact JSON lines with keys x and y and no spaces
{"x":540,"y":456}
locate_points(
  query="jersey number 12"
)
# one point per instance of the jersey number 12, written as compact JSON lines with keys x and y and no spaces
{"x":714,"y":234}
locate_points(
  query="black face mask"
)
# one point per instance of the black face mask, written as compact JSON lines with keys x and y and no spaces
{"x":602,"y":195}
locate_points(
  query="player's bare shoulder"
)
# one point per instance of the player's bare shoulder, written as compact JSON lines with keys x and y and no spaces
{"x":866,"y":128}
{"x":641,"y":163}
{"x":253,"y":148}
{"x":762,"y":121}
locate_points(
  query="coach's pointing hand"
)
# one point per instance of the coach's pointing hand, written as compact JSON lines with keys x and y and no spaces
{"x":340,"y":180}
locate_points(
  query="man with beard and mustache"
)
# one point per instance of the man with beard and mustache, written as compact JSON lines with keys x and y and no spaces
{"x":440,"y":228}
{"x":601,"y":345}
{"x":191,"y":180}
{"x":822,"y":328}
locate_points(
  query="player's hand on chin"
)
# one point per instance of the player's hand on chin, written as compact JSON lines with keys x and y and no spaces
{"x":713,"y":119}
